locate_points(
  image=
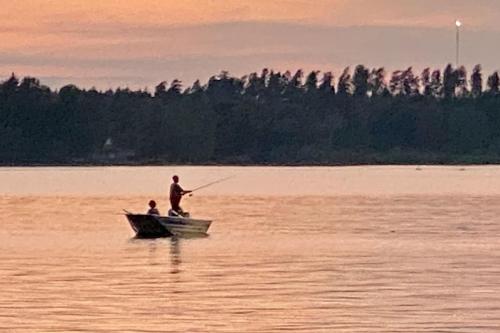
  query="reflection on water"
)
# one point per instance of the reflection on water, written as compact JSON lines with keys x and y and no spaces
{"x":175,"y":255}
{"x":337,"y":263}
{"x":174,"y":244}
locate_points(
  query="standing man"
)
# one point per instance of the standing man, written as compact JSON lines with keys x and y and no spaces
{"x":176,"y":193}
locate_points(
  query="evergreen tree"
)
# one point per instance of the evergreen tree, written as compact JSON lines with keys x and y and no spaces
{"x":296,"y":80}
{"x":436,"y":84}
{"x":326,"y":84}
{"x":161,"y":89}
{"x":312,"y":81}
{"x":377,"y":84}
{"x":195,"y":88}
{"x":461,"y":82}
{"x":344,"y":84}
{"x":426,"y":81}
{"x":175,"y":88}
{"x":449,"y":82}
{"x":276,"y":84}
{"x":396,"y":85}
{"x":476,"y":82}
{"x":360,"y":81}
{"x":410,"y":83}
{"x":493,"y":83}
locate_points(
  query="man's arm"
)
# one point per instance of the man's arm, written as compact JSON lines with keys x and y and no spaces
{"x":181,"y":191}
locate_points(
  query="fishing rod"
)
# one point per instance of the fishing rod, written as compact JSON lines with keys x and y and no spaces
{"x":210,"y":184}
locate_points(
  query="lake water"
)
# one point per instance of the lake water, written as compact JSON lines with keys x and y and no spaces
{"x":354,"y":249}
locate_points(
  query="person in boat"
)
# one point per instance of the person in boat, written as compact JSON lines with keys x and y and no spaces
{"x":152,"y":208}
{"x":176,"y":194}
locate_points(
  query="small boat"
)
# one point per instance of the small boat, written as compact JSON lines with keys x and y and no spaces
{"x":151,"y":226}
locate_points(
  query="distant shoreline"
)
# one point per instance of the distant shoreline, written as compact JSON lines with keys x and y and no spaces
{"x":365,"y":117}
{"x":448,"y":161}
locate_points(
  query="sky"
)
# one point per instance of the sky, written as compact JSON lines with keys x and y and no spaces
{"x":139,"y":43}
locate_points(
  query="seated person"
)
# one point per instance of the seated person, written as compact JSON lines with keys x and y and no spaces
{"x":152,"y":208}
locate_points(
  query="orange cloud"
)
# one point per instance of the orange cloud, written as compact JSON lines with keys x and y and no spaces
{"x":146,"y":39}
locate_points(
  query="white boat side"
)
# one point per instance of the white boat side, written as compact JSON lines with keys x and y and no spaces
{"x":183,"y":225}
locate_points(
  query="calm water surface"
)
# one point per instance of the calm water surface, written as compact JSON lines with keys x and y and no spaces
{"x":358,"y":249}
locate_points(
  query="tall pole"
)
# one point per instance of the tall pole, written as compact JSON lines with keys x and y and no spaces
{"x":458,"y":25}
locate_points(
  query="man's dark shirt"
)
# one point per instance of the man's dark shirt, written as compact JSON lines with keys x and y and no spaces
{"x":175,"y":195}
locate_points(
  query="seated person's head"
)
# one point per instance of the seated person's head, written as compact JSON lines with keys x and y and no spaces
{"x":152,"y":204}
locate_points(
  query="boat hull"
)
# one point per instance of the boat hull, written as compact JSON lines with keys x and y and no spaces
{"x":151,"y":226}
{"x":183,"y":225}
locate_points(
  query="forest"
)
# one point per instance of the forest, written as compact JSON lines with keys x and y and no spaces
{"x":363,"y":116}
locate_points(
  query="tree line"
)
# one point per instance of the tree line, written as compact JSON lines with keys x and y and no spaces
{"x":363,"y":116}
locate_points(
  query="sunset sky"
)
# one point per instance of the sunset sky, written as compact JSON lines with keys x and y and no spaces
{"x":111,"y":43}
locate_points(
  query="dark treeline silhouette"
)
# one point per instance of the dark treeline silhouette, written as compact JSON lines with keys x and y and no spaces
{"x":364,"y":116}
